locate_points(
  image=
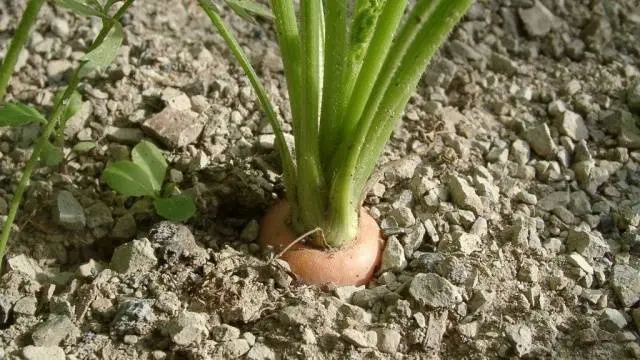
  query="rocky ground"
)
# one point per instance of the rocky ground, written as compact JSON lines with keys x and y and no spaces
{"x":510,"y":197}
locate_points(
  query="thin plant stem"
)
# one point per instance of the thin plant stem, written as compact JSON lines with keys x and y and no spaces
{"x":58,"y":108}
{"x":281,"y":144}
{"x":17,"y":43}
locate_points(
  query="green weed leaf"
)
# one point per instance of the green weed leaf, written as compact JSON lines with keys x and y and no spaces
{"x":16,"y":114}
{"x":51,"y":155}
{"x":84,"y":147}
{"x":128,"y":179}
{"x":149,"y":158}
{"x":104,"y":54}
{"x":80,"y":7}
{"x":175,"y":208}
{"x":74,"y":104}
{"x":244,"y":8}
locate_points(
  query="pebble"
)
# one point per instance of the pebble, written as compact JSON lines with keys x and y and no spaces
{"x":188,"y":328}
{"x":572,"y":125}
{"x":576,"y":259}
{"x":90,"y":269}
{"x":520,"y":152}
{"x":434,"y":291}
{"x":464,"y":195}
{"x":56,"y":69}
{"x":524,"y":233}
{"x":68,"y":212}
{"x":393,"y":257}
{"x":176,"y":240}
{"x":527,"y":198}
{"x":502,"y":64}
{"x":132,"y":315}
{"x":26,"y":306}
{"x":521,"y":337}
{"x":125,"y":227}
{"x":54,"y":330}
{"x":250,"y":231}
{"x":99,"y":215}
{"x":60,"y":28}
{"x":345,"y":293}
{"x":464,"y":242}
{"x":174,"y":128}
{"x":360,"y":339}
{"x":587,"y":243}
{"x":389,"y":340}
{"x":224,"y":332}
{"x":127,"y":136}
{"x":31,"y":352}
{"x":626,"y":284}
{"x":612,"y":320}
{"x":540,"y":140}
{"x":261,"y":351}
{"x":25,"y":265}
{"x":134,"y":256}
{"x":403,"y":216}
{"x":589,"y":176}
{"x":633,"y":96}
{"x":233,"y":349}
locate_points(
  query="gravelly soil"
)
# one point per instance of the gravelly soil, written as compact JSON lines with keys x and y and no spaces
{"x":509,"y":193}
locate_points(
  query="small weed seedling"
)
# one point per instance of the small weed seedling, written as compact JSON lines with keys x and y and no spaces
{"x":144,"y":176}
{"x":48,"y":147}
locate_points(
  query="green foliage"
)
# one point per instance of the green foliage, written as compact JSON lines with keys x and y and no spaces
{"x":244,"y":8}
{"x":81,"y":7}
{"x":73,"y":104}
{"x":84,"y":147}
{"x":103,"y":55}
{"x":51,"y":155}
{"x":17,"y":114}
{"x":144,"y":176}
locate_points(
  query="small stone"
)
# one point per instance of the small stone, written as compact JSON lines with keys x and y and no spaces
{"x":60,"y":28}
{"x":176,"y":99}
{"x":521,"y":337}
{"x":133,"y":316}
{"x":57,"y":68}
{"x":540,"y":140}
{"x":54,"y":330}
{"x":68,"y":212}
{"x":345,"y":293}
{"x":261,"y":351}
{"x":99,"y":215}
{"x":224,"y":332}
{"x":233,"y":349}
{"x":633,"y":96}
{"x":587,"y":243}
{"x":403,"y":216}
{"x":355,"y":313}
{"x":26,"y":306}
{"x":130,"y":339}
{"x":464,"y":195}
{"x":125,"y":227}
{"x":538,"y":20}
{"x":572,"y":125}
{"x":188,"y":328}
{"x":174,"y":128}
{"x":434,"y":291}
{"x":464,"y":242}
{"x":565,"y":215}
{"x":527,"y":198}
{"x":413,"y":239}
{"x":498,"y":154}
{"x":626,"y":284}
{"x":199,"y":162}
{"x":612,"y":320}
{"x":520,"y":152}
{"x":359,"y":338}
{"x":176,"y":240}
{"x":481,"y":300}
{"x":529,"y":272}
{"x":393,"y":258}
{"x":31,"y":352}
{"x":576,"y":259}
{"x":524,"y":233}
{"x":502,"y":64}
{"x":127,"y":136}
{"x":590,"y":176}
{"x":134,"y":256}
{"x":388,"y":340}
{"x":469,"y":330}
{"x":25,"y":265}
{"x":90,"y":269}
{"x":250,"y":231}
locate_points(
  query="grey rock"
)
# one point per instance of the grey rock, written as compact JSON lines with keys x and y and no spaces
{"x":261,"y":351}
{"x":436,"y":328}
{"x":538,"y":20}
{"x":6,"y":303}
{"x":233,"y":349}
{"x":520,"y":152}
{"x":68,"y":212}
{"x":481,"y":300}
{"x":127,"y":136}
{"x":464,"y":195}
{"x":99,"y":215}
{"x":587,"y":243}
{"x":612,"y":320}
{"x":133,"y":316}
{"x":26,"y":306}
{"x":527,"y":198}
{"x":413,"y":239}
{"x":564,"y":214}
{"x":134,"y":256}
{"x":57,"y":68}
{"x":633,"y":96}
{"x":355,"y":313}
{"x":188,"y":328}
{"x":90,"y":269}
{"x":403,"y":216}
{"x":524,"y":233}
{"x":590,"y":176}
{"x":553,"y":200}
{"x":626,"y":284}
{"x":125,"y":227}
{"x":174,"y":128}
{"x":502,"y":64}
{"x":250,"y":231}
{"x":434,"y":291}
{"x":78,"y":121}
{"x":31,"y":352}
{"x":359,"y":338}
{"x":54,"y":330}
{"x":389,"y":340}
{"x":60,"y":28}
{"x":540,"y":140}
{"x":25,"y":265}
{"x":521,"y":337}
{"x":224,"y":332}
{"x":463,"y":242}
{"x":175,"y":240}
{"x":572,"y":125}
{"x":345,"y":293}
{"x":576,"y":259}
{"x":498,"y":154}
{"x":176,"y":99}
{"x":581,"y":152}
{"x":579,"y":203}
{"x":393,"y":258}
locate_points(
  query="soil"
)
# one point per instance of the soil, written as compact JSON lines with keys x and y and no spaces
{"x":509,"y":196}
